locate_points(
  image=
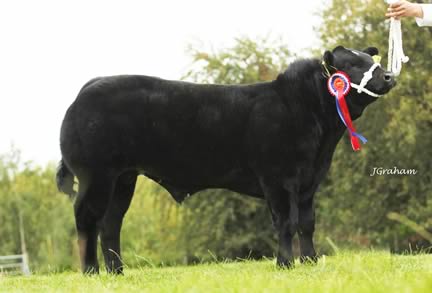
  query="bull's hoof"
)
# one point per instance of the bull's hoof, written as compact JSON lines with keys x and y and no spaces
{"x":115,"y":271}
{"x":90,"y":270}
{"x":313,"y":259}
{"x":284,"y":263}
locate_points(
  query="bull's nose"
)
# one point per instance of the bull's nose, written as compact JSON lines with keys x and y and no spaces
{"x":389,"y":77}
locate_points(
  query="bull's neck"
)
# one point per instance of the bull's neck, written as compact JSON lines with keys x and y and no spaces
{"x":305,"y":83}
{"x":328,"y":105}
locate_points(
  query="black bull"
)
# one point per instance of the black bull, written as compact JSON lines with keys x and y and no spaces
{"x":272,"y":140}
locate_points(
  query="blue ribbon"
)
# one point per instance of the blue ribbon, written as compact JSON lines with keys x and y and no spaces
{"x":361,"y":137}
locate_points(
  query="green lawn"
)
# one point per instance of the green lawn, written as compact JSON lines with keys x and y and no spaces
{"x":345,"y":272}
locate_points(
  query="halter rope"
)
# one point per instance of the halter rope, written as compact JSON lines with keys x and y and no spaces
{"x":396,"y":55}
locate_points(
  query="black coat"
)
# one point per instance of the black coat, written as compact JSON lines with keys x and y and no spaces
{"x":273,"y":140}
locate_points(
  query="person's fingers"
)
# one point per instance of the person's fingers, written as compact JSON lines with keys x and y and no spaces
{"x":400,"y":8}
{"x":395,"y":5}
{"x":391,"y":10}
{"x":397,"y":10}
{"x":394,"y":14}
{"x":398,"y":15}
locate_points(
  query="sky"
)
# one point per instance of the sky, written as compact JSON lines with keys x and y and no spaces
{"x":49,"y":49}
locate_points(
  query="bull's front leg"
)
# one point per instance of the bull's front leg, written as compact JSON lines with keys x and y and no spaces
{"x":306,"y":229}
{"x":283,"y":205}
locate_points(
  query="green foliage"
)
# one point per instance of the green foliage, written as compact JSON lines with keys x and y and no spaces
{"x":48,"y":225}
{"x":248,"y":61}
{"x":346,"y":272}
{"x":352,"y":204}
{"x":209,"y":225}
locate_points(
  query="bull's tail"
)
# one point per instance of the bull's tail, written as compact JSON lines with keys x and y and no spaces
{"x":65,"y":179}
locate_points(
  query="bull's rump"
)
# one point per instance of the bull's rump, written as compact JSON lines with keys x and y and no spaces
{"x":167,"y":128}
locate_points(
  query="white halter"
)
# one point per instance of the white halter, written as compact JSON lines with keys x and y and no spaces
{"x":366,"y":77}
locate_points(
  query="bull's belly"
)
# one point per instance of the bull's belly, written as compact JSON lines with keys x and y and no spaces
{"x":195,"y":171}
{"x":188,"y":180}
{"x":193,"y":165}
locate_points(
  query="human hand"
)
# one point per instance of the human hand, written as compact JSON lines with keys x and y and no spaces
{"x":404,"y":8}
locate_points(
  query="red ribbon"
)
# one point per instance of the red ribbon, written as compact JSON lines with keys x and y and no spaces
{"x":347,"y":118}
{"x":339,"y":86}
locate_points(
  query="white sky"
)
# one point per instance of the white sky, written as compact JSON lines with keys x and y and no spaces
{"x":49,"y":49}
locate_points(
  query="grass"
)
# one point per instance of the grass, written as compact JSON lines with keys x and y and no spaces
{"x":346,"y":272}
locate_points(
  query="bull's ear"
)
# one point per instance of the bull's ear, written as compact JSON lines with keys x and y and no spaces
{"x":328,"y":58}
{"x":371,"y":51}
{"x":339,"y":48}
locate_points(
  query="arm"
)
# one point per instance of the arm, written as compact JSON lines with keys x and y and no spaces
{"x":403,"y":8}
{"x":426,"y":20}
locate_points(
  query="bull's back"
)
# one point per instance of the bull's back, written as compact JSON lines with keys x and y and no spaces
{"x":151,"y":123}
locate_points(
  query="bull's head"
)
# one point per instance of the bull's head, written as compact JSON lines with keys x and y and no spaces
{"x":355,"y":64}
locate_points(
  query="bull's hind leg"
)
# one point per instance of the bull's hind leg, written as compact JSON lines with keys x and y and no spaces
{"x":93,"y":197}
{"x":112,"y":221}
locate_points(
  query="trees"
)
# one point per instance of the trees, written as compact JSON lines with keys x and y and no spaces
{"x":49,"y":227}
{"x":248,"y":61}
